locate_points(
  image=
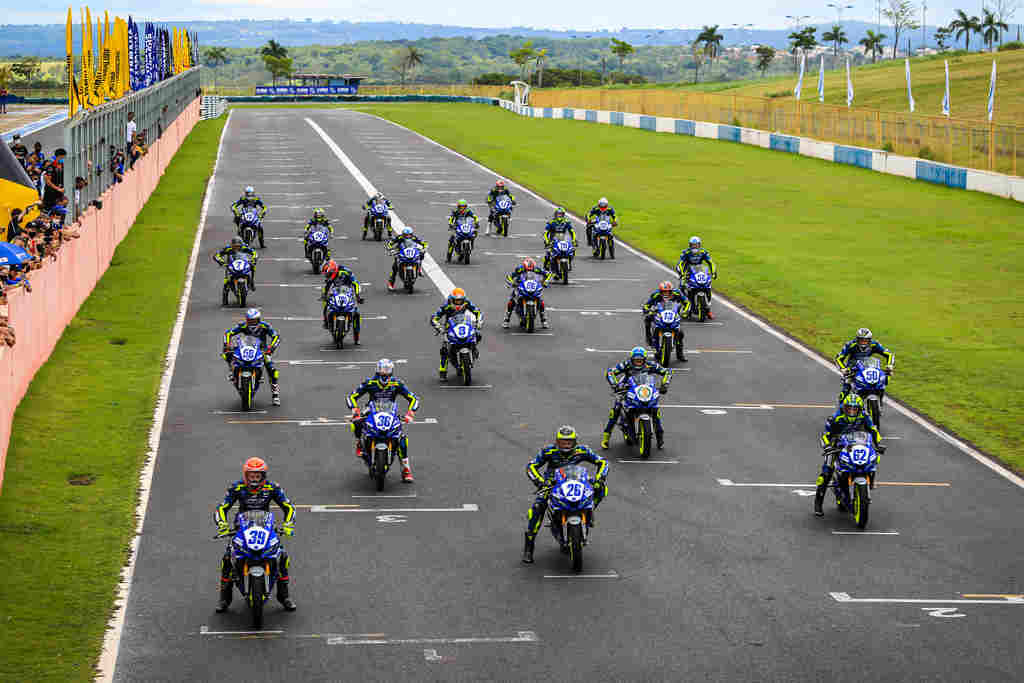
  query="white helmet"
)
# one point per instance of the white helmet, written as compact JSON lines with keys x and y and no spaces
{"x":694,"y":242}
{"x":385,"y":367}
{"x":249,"y":190}
{"x":602,"y":202}
{"x":407,"y":230}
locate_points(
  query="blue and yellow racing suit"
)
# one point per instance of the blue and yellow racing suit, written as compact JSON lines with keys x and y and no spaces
{"x":595,"y":214}
{"x":455,"y":215}
{"x":556,"y":225}
{"x":446,"y":311}
{"x":392,"y":245}
{"x":512,"y":280}
{"x":851,"y":353}
{"x":551,"y":458}
{"x":382,"y":387}
{"x":839,"y":424}
{"x":366,"y":217}
{"x":344,"y":278}
{"x":651,"y":307}
{"x":492,"y":197}
{"x":691,"y":258}
{"x":318,"y":224}
{"x":624,"y":370}
{"x":222,"y":256}
{"x":268,"y":337}
{"x":242,"y":204}
{"x":249,"y":499}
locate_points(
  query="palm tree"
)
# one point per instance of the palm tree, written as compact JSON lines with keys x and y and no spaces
{"x":522,"y":57}
{"x":873,"y":43}
{"x":712,"y":40}
{"x":965,"y":26}
{"x":215,"y":56}
{"x":836,"y":36}
{"x":273,"y":49}
{"x":991,"y":27}
{"x":622,"y":49}
{"x":540,"y":57}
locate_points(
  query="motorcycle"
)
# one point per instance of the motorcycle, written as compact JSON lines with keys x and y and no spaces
{"x":502,"y":215}
{"x":255,"y":549}
{"x":379,"y":219}
{"x":238,"y":269}
{"x":461,"y":338}
{"x":465,"y":234}
{"x":559,"y":258}
{"x":668,"y":332}
{"x":317,"y":248}
{"x":603,"y":239}
{"x":570,"y":504}
{"x":854,"y":462}
{"x":698,"y":288}
{"x":410,"y":255}
{"x":528,"y":298}
{"x":869,"y":381}
{"x":382,"y":431}
{"x":639,"y":406}
{"x":247,"y":368}
{"x":249,"y":225}
{"x":341,"y":310}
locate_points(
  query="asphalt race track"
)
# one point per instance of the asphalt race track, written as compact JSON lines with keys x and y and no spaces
{"x":706,"y":563}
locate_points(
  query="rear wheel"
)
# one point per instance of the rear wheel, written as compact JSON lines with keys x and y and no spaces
{"x":575,"y":534}
{"x":861,"y":504}
{"x":644,"y":435}
{"x":317,"y":260}
{"x":257,"y":593}
{"x":246,"y":390}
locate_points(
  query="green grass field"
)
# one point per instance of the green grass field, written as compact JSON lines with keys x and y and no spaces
{"x":86,"y":417}
{"x":790,"y":235}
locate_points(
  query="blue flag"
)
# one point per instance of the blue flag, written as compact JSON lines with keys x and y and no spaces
{"x":150,"y":73}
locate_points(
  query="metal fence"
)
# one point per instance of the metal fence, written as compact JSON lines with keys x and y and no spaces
{"x":90,"y":134}
{"x":961,"y":142}
{"x":212,"y":106}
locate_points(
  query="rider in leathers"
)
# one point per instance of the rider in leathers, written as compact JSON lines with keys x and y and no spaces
{"x":599,"y":211}
{"x":392,"y":246}
{"x":237,"y":246}
{"x":859,"y":348}
{"x":339,"y":276}
{"x":850,"y":417}
{"x":498,"y":190}
{"x":247,"y":200}
{"x":455,"y":304}
{"x":253,"y":326}
{"x":383,"y":385}
{"x":616,"y":377}
{"x":665,"y":293}
{"x":512,"y":280}
{"x":461,"y":210}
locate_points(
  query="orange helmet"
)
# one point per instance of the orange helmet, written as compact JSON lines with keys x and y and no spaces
{"x":665,"y":288}
{"x":330,"y":269}
{"x":458,"y":298}
{"x":500,"y":183}
{"x":254,"y":465}
{"x":529,"y":264}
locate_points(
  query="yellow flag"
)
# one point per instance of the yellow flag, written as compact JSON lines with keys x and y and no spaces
{"x":69,"y":68}
{"x":86,"y":86}
{"x":108,"y":58}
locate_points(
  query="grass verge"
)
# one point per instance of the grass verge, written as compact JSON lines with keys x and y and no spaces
{"x":85,"y":419}
{"x":817,"y":248}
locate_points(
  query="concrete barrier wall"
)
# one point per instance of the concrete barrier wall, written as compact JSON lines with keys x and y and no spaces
{"x":61,"y":286}
{"x":1011,"y":187}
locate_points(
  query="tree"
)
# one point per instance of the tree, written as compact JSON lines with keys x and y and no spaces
{"x":214,"y":57}
{"x":712,"y":41}
{"x":836,"y":36}
{"x":622,"y":49}
{"x":6,"y":76}
{"x":279,"y":67}
{"x":699,"y":55}
{"x":942,"y":36}
{"x":992,"y":28}
{"x":406,"y":61}
{"x":25,"y":68}
{"x":872,"y":43}
{"x":802,"y":40}
{"x":539,"y":58}
{"x":965,"y":26}
{"x":273,"y":49}
{"x":522,"y":57}
{"x":902,"y":15}
{"x":765,"y":55}
{"x":1004,"y":10}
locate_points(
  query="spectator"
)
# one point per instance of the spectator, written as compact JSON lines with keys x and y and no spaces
{"x":80,"y":184}
{"x":3,"y":100}
{"x":138,"y":148}
{"x":36,"y":156}
{"x":129,"y":132}
{"x":53,"y":179}
{"x":117,"y":164}
{"x":35,"y":174}
{"x":160,"y":121}
{"x":19,"y":150}
{"x":14,"y":226}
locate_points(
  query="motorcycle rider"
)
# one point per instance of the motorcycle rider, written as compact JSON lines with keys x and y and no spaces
{"x":512,"y":280}
{"x":498,"y":190}
{"x":318,"y":222}
{"x":461,"y":210}
{"x":392,"y":246}
{"x":334,"y":276}
{"x":237,"y":246}
{"x":616,"y":376}
{"x":666,"y":294}
{"x":254,"y":326}
{"x":255,"y":492}
{"x":564,"y":452}
{"x":383,"y":385}
{"x":596,"y":213}
{"x":379,"y":197}
{"x":454,"y":305}
{"x":691,"y":258}
{"x":558,"y":224}
{"x":859,"y":348}
{"x":246,"y":201}
{"x":850,"y":417}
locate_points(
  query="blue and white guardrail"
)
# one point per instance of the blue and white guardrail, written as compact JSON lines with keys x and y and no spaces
{"x":306,"y":90}
{"x":1011,"y":187}
{"x":35,"y":126}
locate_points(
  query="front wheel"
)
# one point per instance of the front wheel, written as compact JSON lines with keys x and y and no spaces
{"x":861,"y":503}
{"x":257,"y":596}
{"x":530,"y":319}
{"x":575,"y":534}
{"x":467,"y":370}
{"x":701,"y":304}
{"x":380,"y":466}
{"x":679,"y":350}
{"x":644,"y":434}
{"x":873,"y":410}
{"x":564,"y":268}
{"x":665,"y":352}
{"x":246,"y":390}
{"x":339,"y":332}
{"x":378,"y":233}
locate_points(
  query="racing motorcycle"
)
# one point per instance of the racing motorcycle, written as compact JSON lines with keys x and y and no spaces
{"x":255,"y":549}
{"x":667,"y":332}
{"x":247,"y":368}
{"x":502,"y":215}
{"x":317,"y":248}
{"x":409,"y":255}
{"x":869,"y":381}
{"x":698,"y":288}
{"x":639,"y":406}
{"x":528,"y":298}
{"x":237,"y":271}
{"x":559,"y":258}
{"x":382,"y":432}
{"x":341,"y":311}
{"x":465,"y":234}
{"x":854,"y":463}
{"x":570,"y":506}
{"x":249,"y":225}
{"x":460,"y":340}
{"x":603,"y":239}
{"x":379,"y":219}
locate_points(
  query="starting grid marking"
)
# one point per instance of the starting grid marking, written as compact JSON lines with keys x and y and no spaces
{"x":730,"y":482}
{"x":342,"y":507}
{"x":739,"y":351}
{"x":360,"y":639}
{"x":319,"y":421}
{"x":336,"y":362}
{"x":980,"y":599}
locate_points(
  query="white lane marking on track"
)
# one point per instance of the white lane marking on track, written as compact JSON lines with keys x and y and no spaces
{"x":865,"y":533}
{"x":238,"y":412}
{"x":714,"y":411}
{"x":652,"y":462}
{"x":512,"y":253}
{"x":205,"y":631}
{"x":532,"y":334}
{"x":846,"y":597}
{"x":443,"y":191}
{"x":609,"y":575}
{"x":387,"y":495}
{"x":296,"y":258}
{"x":295,"y":206}
{"x":608,"y":279}
{"x":595,"y":310}
{"x":432,"y":656}
{"x":471,"y":386}
{"x":520,"y":637}
{"x":449,"y":204}
{"x":317,"y":361}
{"x":440,"y":279}
{"x":740,"y":351}
{"x":723,"y":409}
{"x":465,"y":507}
{"x":115,"y":626}
{"x":289,"y":183}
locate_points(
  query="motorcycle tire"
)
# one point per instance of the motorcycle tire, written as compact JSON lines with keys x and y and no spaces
{"x":861,"y":504}
{"x":467,"y":373}
{"x":874,"y":412}
{"x":248,"y":235}
{"x":575,"y":534}
{"x":256,"y":598}
{"x":565,"y":272}
{"x":409,"y":282}
{"x":224,"y":296}
{"x":317,"y":261}
{"x":247,"y":391}
{"x":380,"y":468}
{"x":339,"y":333}
{"x":645,"y":436}
{"x":702,"y":308}
{"x":679,"y":350}
{"x":378,"y":234}
{"x":530,"y":321}
{"x":503,"y":226}
{"x":665,"y":353}
{"x":242,"y":292}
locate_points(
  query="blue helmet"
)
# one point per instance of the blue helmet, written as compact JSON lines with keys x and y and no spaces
{"x":638,"y":353}
{"x":694,"y":243}
{"x":252,"y":318}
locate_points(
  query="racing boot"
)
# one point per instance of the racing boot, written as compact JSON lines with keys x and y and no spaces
{"x":275,"y":391}
{"x":476,"y":352}
{"x":451,"y":250}
{"x":226,"y":593}
{"x":507,"y":321}
{"x":527,"y":550}
{"x":252,"y":283}
{"x":611,"y":249}
{"x":391,"y":284}
{"x":544,"y":320}
{"x":359,"y":449}
{"x":224,"y":295}
{"x":660,"y":439}
{"x":355,"y":338}
{"x":819,"y":494}
{"x":283,"y":588}
{"x":443,"y":375}
{"x":605,"y":440}
{"x":406,"y":471}
{"x":711,"y":316}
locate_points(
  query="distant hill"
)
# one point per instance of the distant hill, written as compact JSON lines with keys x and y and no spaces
{"x":48,"y":40}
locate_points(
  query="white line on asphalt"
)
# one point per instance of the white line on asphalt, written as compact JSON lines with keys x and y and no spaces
{"x":205,"y":631}
{"x":238,"y":412}
{"x":865,"y":533}
{"x":287,"y":182}
{"x":449,"y":204}
{"x":730,"y":482}
{"x":430,"y":267}
{"x":512,"y":253}
{"x":741,"y":351}
{"x":296,"y":258}
{"x":388,"y":495}
{"x":295,"y":206}
{"x":466,"y":507}
{"x":609,"y":575}
{"x":471,"y":386}
{"x":608,"y":279}
{"x":444,"y":191}
{"x":845,"y":597}
{"x":732,"y":407}
{"x":532,"y":334}
{"x":595,"y":310}
{"x":115,"y":626}
{"x":277,"y":175}
{"x":520,"y":637}
{"x":652,"y":462}
{"x":293,"y":194}
{"x":319,"y":421}
{"x":336,"y":362}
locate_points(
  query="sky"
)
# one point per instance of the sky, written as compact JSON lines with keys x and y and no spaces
{"x":580,"y":15}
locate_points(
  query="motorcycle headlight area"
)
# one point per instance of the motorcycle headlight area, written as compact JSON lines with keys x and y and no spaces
{"x":644,"y":393}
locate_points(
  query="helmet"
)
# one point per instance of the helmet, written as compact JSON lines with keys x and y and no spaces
{"x":559,"y":212}
{"x":458,"y":298}
{"x":330,"y":269}
{"x":252,"y":319}
{"x":638,"y":356}
{"x":666,"y":289}
{"x":385,"y":367}
{"x":318,"y":213}
{"x":863,"y":339}
{"x":254,"y":466}
{"x":529,"y":264}
{"x":407,"y":230}
{"x":249,"y":191}
{"x":500,"y":183}
{"x":236,"y":242}
{"x":462,"y":205}
{"x":379,"y":195}
{"x":853,"y":405}
{"x":603,"y":202}
{"x":694,"y":242}
{"x":565,"y":439}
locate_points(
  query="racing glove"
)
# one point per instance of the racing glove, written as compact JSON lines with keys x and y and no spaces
{"x":223,"y":529}
{"x":288,"y":530}
{"x":409,"y":415}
